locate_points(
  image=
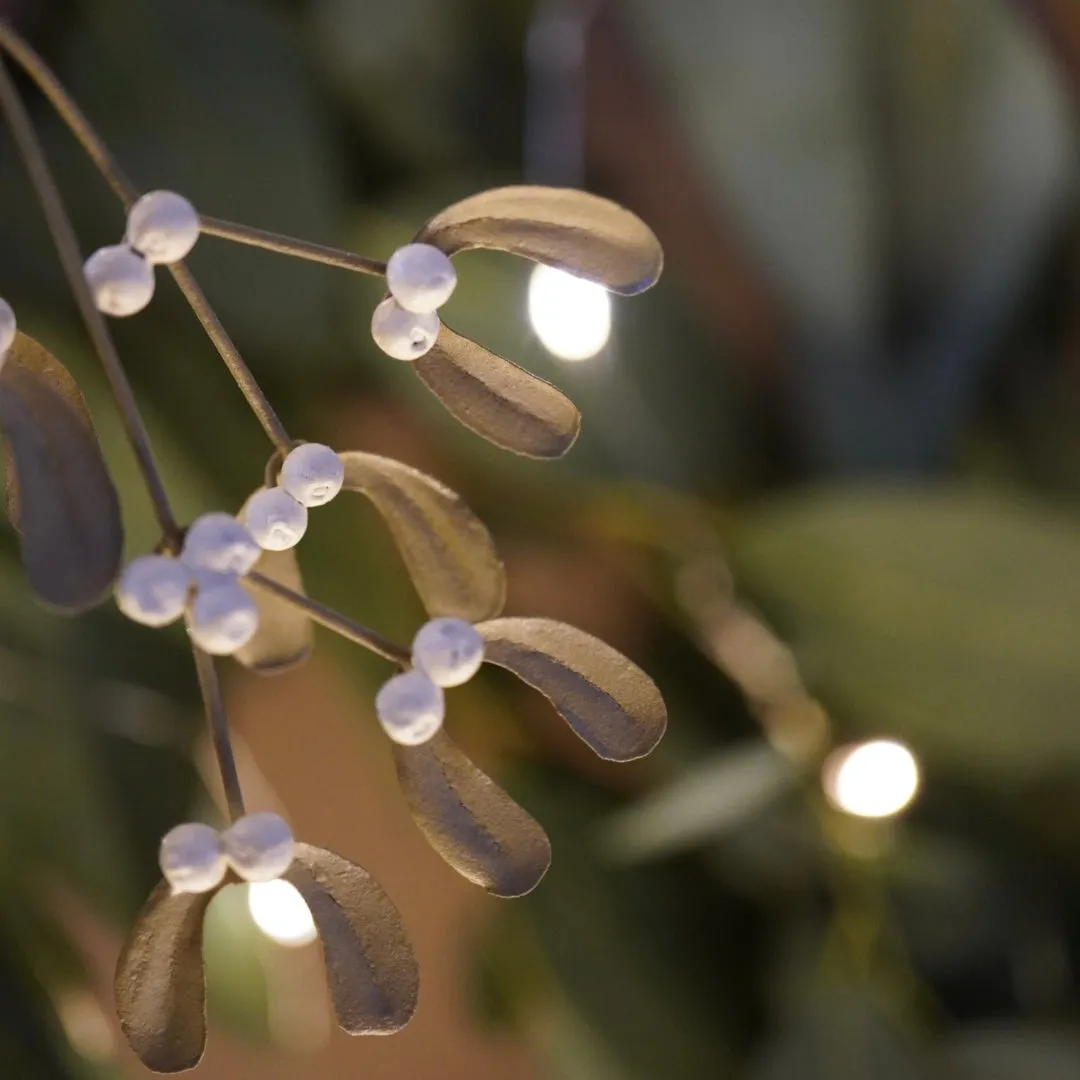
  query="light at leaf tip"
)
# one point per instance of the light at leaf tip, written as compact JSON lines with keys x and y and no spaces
{"x":571,"y":316}
{"x":281,"y":913}
{"x":875,"y":779}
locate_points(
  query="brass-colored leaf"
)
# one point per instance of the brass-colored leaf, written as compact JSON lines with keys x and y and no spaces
{"x":160,"y":984}
{"x":447,"y":550}
{"x":608,"y":701}
{"x":498,"y":400}
{"x":285,"y":636}
{"x":591,"y":237}
{"x":372,"y":973}
{"x":469,"y":820}
{"x":60,"y":497}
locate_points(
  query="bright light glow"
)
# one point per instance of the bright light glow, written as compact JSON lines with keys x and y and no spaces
{"x":872,"y":779}
{"x":280,"y":913}
{"x":571,"y":317}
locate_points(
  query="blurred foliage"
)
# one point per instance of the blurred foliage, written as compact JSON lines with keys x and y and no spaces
{"x":898,"y":178}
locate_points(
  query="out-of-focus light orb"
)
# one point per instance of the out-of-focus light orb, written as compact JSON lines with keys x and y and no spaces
{"x":571,"y":316}
{"x":875,"y":779}
{"x":280,"y":912}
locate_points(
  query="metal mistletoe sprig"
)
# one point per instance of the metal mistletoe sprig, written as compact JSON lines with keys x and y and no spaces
{"x":236,"y":581}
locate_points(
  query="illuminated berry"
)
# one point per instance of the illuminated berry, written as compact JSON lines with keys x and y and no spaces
{"x":222,"y":618}
{"x":410,"y":708}
{"x":402,"y":334}
{"x":153,"y":590}
{"x":121,"y":281}
{"x":312,"y":474}
{"x":192,"y":858}
{"x":220,"y":542}
{"x":420,"y":277}
{"x":162,"y":226}
{"x":449,"y":651}
{"x":275,"y":519}
{"x":259,"y":847}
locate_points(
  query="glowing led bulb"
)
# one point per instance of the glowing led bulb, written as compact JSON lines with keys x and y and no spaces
{"x":281,"y":913}
{"x":875,"y":779}
{"x":571,"y":316}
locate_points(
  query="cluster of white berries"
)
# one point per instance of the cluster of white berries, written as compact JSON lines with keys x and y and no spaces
{"x":194,"y":857}
{"x":204,"y":582}
{"x":8,"y":329}
{"x":311,"y":475}
{"x":218,"y":550}
{"x":162,"y":228}
{"x":445,"y":652}
{"x":421,"y":279}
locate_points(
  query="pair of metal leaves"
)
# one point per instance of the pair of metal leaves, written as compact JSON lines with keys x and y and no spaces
{"x":590,"y":237}
{"x":371,"y":970}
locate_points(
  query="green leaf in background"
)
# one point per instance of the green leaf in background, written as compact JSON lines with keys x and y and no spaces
{"x":942,"y":614}
{"x":646,"y":956}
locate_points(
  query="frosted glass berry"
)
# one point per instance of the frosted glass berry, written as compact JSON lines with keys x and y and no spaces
{"x":259,"y":847}
{"x":121,"y":281}
{"x":312,"y":474}
{"x":220,"y":542}
{"x":192,"y":858}
{"x":222,"y":618}
{"x":163,"y":226}
{"x":421,"y":278}
{"x":154,"y":589}
{"x":8,"y":328}
{"x":410,"y":708}
{"x":449,"y":651}
{"x":402,"y":334}
{"x":275,"y":519}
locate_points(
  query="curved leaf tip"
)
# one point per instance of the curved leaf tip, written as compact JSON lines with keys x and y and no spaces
{"x":500,"y":401}
{"x":470,"y":821}
{"x":584,"y":234}
{"x":447,"y":550}
{"x":60,"y":497}
{"x":371,"y":970}
{"x":608,"y":701}
{"x":160,"y":983}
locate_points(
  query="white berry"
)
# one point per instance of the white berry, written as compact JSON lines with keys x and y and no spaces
{"x":259,"y":847}
{"x":163,"y":226}
{"x":420,"y":277}
{"x":8,"y":328}
{"x":153,"y":590}
{"x":449,"y":651}
{"x":312,"y":474}
{"x":192,"y":858}
{"x":275,"y":519}
{"x":402,"y":334}
{"x":220,"y":542}
{"x":410,"y":708}
{"x":223,"y":617}
{"x":120,"y":279}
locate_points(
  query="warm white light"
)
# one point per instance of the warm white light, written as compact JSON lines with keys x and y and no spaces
{"x":571,"y":317}
{"x":280,"y":913}
{"x":872,"y":779}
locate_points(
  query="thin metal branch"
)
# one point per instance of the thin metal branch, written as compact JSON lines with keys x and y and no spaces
{"x":94,"y":145}
{"x":288,"y":245}
{"x":69,"y":112}
{"x":67,"y":248}
{"x":335,"y":621}
{"x":218,"y":722}
{"x":241,"y":373}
